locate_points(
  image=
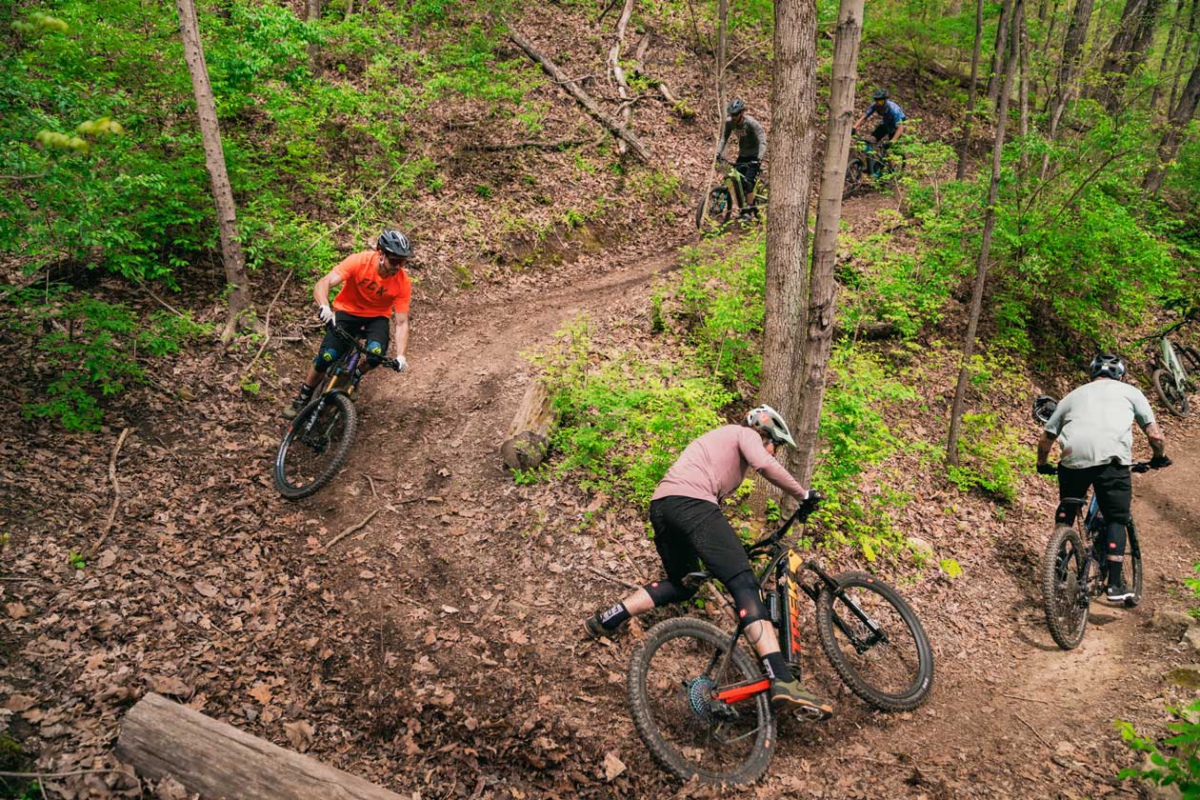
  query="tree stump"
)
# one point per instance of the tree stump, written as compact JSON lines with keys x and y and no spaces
{"x":161,"y":738}
{"x":528,"y":441}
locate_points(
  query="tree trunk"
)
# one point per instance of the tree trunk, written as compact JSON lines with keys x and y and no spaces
{"x":528,"y":439}
{"x":614,"y":63}
{"x":1129,"y":48}
{"x":1172,"y":33}
{"x":1180,"y":117}
{"x":1023,"y":90}
{"x":214,"y":158}
{"x":1185,"y":51}
{"x":314,"y":10}
{"x":1064,"y":87}
{"x":810,"y":377}
{"x":989,"y":225}
{"x":161,"y":738}
{"x":998,"y":55}
{"x":965,"y":145}
{"x":793,"y":133}
{"x":719,"y":79}
{"x":312,"y":17}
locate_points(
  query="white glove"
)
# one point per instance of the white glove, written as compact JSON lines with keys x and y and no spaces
{"x":326,"y":315}
{"x":401,"y":363}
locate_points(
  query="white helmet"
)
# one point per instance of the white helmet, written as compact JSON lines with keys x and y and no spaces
{"x":767,"y":420}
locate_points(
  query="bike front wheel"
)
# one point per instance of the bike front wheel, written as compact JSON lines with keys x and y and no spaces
{"x":315,"y":447}
{"x":1063,"y":587}
{"x":854,"y":178}
{"x":1171,"y":392}
{"x":674,"y":676}
{"x":875,"y":641}
{"x":719,"y":208}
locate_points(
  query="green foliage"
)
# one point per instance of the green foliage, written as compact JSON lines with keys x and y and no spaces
{"x":1174,"y":760}
{"x":991,"y":457}
{"x":85,"y":350}
{"x":951,"y":568}
{"x":624,"y":420}
{"x":76,"y":560}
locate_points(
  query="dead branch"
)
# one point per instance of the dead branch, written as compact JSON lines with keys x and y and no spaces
{"x":371,"y":481}
{"x":639,"y":62}
{"x":614,"y":63}
{"x":352,"y":529}
{"x":490,"y":147}
{"x":112,"y":476}
{"x":613,"y":578}
{"x":581,"y":96}
{"x":1034,"y":730}
{"x":164,"y":303}
{"x":267,"y":325}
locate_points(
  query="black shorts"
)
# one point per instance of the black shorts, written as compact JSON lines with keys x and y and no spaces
{"x":688,"y":531}
{"x":1114,"y":489}
{"x":883,"y":131}
{"x":375,"y":330}
{"x":748,"y":169}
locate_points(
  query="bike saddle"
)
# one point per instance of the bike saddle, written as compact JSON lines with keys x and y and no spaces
{"x":694,"y":580}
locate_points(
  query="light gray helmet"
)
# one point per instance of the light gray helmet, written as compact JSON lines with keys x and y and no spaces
{"x":765,"y":419}
{"x":1106,"y":365}
{"x":736,"y":106}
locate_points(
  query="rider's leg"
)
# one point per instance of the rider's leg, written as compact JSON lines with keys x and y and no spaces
{"x":327,"y":353}
{"x":1114,"y":492}
{"x":377,"y":331}
{"x":1072,"y":483}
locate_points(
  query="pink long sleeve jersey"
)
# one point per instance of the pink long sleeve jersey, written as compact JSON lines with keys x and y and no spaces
{"x":713,"y":466}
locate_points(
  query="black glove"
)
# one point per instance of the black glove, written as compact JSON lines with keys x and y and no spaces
{"x":1047,"y":469}
{"x":1158,"y":462}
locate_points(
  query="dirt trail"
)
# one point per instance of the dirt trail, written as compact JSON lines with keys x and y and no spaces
{"x":485,"y":584}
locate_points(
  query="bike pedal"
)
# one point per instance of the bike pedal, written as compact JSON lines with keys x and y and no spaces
{"x":809,"y":714}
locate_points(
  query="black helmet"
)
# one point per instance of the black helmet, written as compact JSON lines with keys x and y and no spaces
{"x":394,"y":243}
{"x":881,"y":94}
{"x":1043,"y":408}
{"x":1106,"y":365}
{"x":736,"y":106}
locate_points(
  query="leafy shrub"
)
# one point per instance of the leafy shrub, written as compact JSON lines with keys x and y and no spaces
{"x":991,"y":457}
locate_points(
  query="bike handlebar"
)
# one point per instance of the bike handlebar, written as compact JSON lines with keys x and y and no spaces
{"x":389,"y":363}
{"x":805,"y":510}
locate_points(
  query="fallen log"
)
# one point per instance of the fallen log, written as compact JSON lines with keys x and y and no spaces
{"x":161,"y":738}
{"x":867,"y":331}
{"x":614,"y":63}
{"x":528,"y":439}
{"x":581,"y":96}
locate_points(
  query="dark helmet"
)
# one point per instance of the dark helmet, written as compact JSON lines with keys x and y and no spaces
{"x":1106,"y":365}
{"x":1043,"y":408}
{"x":881,"y":94}
{"x":394,"y":243}
{"x":736,"y":106}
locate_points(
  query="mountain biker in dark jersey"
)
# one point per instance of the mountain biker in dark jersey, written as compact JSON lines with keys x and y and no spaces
{"x":891,"y":119}
{"x":689,"y":527}
{"x":1093,"y":425}
{"x":752,"y":149}
{"x":376,"y":286}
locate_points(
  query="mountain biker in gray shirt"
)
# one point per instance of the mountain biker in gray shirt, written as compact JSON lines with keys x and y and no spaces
{"x":1093,"y":425}
{"x":752,"y":149}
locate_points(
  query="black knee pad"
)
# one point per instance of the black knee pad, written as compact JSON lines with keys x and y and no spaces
{"x":747,"y":598}
{"x":666,"y":592}
{"x":1115,"y":539}
{"x":1065,"y":515}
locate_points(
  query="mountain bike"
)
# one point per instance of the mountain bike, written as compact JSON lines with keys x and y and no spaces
{"x":722,"y":197}
{"x":1072,"y":568}
{"x":1171,"y":379}
{"x":317,"y":442}
{"x":701,"y":703}
{"x":869,"y":164}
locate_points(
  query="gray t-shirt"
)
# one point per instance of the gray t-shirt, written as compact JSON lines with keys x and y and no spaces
{"x":752,"y":139}
{"x":1094,"y":423}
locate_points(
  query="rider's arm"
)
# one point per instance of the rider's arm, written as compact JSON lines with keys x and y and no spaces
{"x":899,"y":130}
{"x":761,"y":135}
{"x":1144,"y":415}
{"x":1044,"y":445}
{"x":321,"y":289}
{"x":400,"y":340}
{"x":756,"y":455}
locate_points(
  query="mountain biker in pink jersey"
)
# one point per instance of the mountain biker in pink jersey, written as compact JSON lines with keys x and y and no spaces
{"x":689,"y":527}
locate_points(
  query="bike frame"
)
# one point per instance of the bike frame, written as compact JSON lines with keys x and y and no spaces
{"x":1171,"y":362}
{"x":347,"y":364}
{"x":1091,"y":527}
{"x":783,"y":605}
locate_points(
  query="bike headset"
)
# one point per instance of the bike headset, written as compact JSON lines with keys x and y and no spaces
{"x":1106,"y":365}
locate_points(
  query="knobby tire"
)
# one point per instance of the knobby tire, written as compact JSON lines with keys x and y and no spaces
{"x":683,"y":741}
{"x":1133,"y":558}
{"x":895,"y":674}
{"x":330,"y":439}
{"x":720,"y":208}
{"x":1065,"y":598}
{"x":1172,"y":393}
{"x":854,"y":177}
{"x":1190,"y":358}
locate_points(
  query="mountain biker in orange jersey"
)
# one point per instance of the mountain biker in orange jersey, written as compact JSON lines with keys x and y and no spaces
{"x":376,"y":286}
{"x":752,"y":149}
{"x":689,"y":527}
{"x":891,"y":118}
{"x":1093,"y":425}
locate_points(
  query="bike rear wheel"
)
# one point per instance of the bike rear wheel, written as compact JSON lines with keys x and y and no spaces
{"x":1172,"y":393}
{"x":315,"y":446}
{"x":719,"y":210}
{"x":1134,"y":558}
{"x":854,"y":178}
{"x":1063,"y":587}
{"x":890,"y":667}
{"x":672,"y":676}
{"x":1190,"y":358}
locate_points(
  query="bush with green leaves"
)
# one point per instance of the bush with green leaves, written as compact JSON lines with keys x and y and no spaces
{"x":83,"y":350}
{"x":1175,"y":759}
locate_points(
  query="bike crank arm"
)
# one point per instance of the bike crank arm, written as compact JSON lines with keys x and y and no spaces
{"x":740,"y":691}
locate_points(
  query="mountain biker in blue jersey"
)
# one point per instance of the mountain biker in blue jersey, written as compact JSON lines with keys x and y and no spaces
{"x":1093,"y":425}
{"x":752,"y":149}
{"x":891,"y":119}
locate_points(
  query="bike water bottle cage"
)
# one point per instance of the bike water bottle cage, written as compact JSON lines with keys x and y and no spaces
{"x":1107,"y":365}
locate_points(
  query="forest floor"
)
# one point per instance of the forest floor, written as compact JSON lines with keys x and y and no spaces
{"x":438,"y":651}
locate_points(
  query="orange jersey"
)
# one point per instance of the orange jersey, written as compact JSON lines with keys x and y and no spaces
{"x":365,"y":294}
